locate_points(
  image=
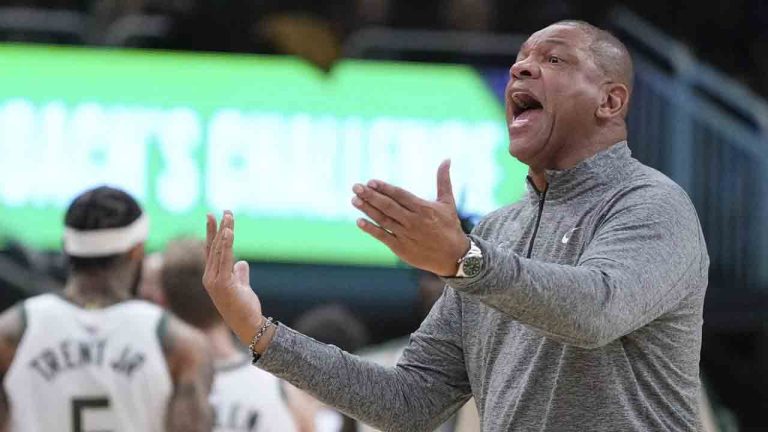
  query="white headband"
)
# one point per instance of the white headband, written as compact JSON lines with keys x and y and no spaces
{"x":105,"y":242}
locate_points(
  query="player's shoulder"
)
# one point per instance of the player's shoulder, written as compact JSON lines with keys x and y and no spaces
{"x":139,"y":308}
{"x":12,"y":324}
{"x":46,"y":300}
{"x":231,"y":379}
{"x":12,"y":327}
{"x":642,"y":174}
{"x":648,"y":185}
{"x":644,"y":194}
{"x":175,"y":332}
{"x":55,"y":301}
{"x":243,"y":373}
{"x":182,"y":343}
{"x":46,"y":307}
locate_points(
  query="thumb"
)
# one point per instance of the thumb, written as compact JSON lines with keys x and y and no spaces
{"x":444,"y":187}
{"x":242,"y":273}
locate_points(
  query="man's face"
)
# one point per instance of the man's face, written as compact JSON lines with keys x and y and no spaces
{"x":552,"y":95}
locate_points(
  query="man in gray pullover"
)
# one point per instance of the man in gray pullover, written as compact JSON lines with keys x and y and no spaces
{"x":578,"y":308}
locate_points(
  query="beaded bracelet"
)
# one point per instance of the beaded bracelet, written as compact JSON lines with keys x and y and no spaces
{"x":252,"y":347}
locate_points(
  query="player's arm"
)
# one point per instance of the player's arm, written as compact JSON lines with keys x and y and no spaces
{"x":429,"y":383}
{"x":190,"y":365}
{"x":11,"y":329}
{"x":646,"y":256}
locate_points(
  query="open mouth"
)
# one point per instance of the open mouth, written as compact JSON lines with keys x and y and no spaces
{"x":522,"y":102}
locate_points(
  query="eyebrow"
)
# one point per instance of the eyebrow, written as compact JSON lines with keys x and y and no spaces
{"x":549,"y":41}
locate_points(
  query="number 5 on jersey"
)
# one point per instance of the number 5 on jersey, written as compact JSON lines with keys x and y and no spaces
{"x":92,"y":415}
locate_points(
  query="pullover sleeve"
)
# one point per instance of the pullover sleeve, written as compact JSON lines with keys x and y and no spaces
{"x":645,"y":256}
{"x":428,"y":384}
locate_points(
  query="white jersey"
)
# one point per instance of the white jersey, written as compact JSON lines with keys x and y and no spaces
{"x":88,"y":370}
{"x":248,"y":399}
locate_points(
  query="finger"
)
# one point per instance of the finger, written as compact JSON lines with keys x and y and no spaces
{"x":232,"y":220}
{"x":227,"y":258}
{"x":405,"y":199}
{"x":378,"y":233}
{"x":380,"y":218}
{"x":242,"y":273}
{"x":214,"y":259}
{"x":223,"y":272}
{"x":227,"y":220}
{"x":444,"y":187}
{"x":384,"y":204}
{"x":210,"y":233}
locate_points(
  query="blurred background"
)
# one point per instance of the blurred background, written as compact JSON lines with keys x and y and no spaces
{"x":275,"y":108}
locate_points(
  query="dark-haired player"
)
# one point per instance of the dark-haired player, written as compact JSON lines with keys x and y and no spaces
{"x":92,"y":358}
{"x":244,"y":398}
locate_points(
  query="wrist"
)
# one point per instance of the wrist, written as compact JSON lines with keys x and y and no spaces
{"x":246,"y":329}
{"x":262,"y":337}
{"x":471,"y":264}
{"x":261,"y":346}
{"x":459,"y":252}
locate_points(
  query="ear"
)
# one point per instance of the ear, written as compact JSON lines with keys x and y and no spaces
{"x":614,"y":101}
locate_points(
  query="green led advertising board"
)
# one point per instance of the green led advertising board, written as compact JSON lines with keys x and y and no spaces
{"x":272,"y":138}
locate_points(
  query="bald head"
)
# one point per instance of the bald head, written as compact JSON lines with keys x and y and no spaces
{"x":608,"y":52}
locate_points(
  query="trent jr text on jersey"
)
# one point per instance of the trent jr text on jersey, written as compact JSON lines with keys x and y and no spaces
{"x":70,"y":354}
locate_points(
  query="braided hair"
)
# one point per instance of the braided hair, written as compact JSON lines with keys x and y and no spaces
{"x":100,"y":208}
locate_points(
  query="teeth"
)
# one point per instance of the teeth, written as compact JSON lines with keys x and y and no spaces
{"x":521,"y":103}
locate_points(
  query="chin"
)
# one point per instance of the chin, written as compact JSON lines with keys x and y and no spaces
{"x":524,"y":150}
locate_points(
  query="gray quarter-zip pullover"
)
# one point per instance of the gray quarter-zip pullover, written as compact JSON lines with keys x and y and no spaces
{"x":586,"y":317}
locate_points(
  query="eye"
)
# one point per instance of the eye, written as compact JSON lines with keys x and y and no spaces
{"x":554,"y":59}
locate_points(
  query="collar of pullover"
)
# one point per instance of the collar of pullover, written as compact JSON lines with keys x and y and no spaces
{"x":592,"y":172}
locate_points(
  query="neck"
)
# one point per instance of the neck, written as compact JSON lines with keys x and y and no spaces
{"x":574,"y":154}
{"x":98,"y":288}
{"x":538,"y":178}
{"x":222,"y":343}
{"x":586,"y":150}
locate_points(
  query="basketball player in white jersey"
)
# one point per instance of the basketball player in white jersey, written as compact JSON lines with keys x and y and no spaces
{"x":93,"y":359}
{"x":244,"y":398}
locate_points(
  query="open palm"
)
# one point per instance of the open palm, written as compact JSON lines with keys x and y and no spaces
{"x":228,"y":283}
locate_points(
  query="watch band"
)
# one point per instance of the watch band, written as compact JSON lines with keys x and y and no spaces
{"x":473,"y":252}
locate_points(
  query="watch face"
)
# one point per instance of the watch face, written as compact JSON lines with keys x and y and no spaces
{"x":472,"y":265}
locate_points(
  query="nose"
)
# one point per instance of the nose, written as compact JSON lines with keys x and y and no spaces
{"x":524,"y":69}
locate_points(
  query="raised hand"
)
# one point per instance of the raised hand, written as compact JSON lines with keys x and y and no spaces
{"x":228,"y":283}
{"x":425,"y":234}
